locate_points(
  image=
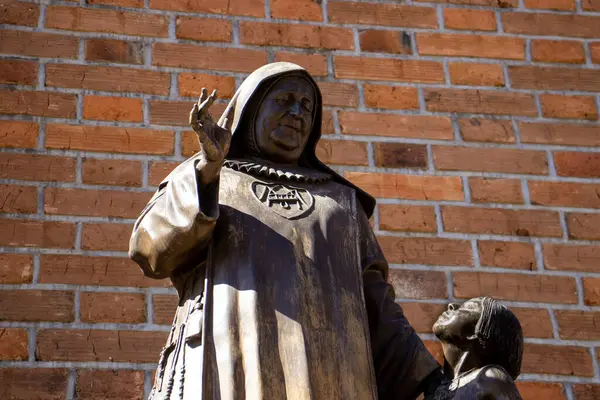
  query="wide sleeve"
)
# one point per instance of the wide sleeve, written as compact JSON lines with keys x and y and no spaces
{"x":401,"y":361}
{"x":174,"y":229}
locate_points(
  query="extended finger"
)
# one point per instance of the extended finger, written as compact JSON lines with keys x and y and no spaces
{"x":203,"y":97}
{"x":194,"y":115}
{"x":210,"y":100}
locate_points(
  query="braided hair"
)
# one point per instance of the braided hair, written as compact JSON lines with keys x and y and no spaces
{"x":499,"y":336}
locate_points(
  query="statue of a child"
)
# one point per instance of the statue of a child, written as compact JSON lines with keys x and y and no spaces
{"x":482,"y":342}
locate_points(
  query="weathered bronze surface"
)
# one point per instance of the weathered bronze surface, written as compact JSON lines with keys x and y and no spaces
{"x":282,"y":284}
{"x":483,"y":344}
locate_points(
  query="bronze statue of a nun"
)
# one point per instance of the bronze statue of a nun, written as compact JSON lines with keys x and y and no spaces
{"x":282,"y":284}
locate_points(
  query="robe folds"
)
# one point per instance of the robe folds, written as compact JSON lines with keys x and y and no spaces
{"x":283,"y":291}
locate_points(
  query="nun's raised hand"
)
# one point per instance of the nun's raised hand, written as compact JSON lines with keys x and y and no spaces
{"x":214,"y":138}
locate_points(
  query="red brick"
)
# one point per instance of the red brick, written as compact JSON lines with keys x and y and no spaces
{"x":304,"y":10}
{"x":177,"y":112}
{"x":271,"y":34}
{"x":586,"y":391}
{"x":480,"y":102}
{"x":486,"y":130}
{"x":463,"y":45}
{"x":189,"y":143}
{"x":487,"y":3}
{"x":591,"y":290}
{"x":115,"y":384}
{"x":580,"y":164}
{"x":38,"y":44}
{"x":568,"y":25}
{"x":110,"y":79}
{"x":393,"y":125}
{"x":33,"y":383}
{"x":315,"y":64}
{"x":164,"y":308}
{"x":36,"y":305}
{"x":191,"y":84}
{"x":583,"y":226}
{"x":119,"y":51}
{"x":541,"y":390}
{"x":110,"y":108}
{"x":112,"y":172}
{"x":213,"y":58}
{"x":471,"y":20}
{"x":110,"y":21}
{"x":578,"y":325}
{"x":18,"y":199}
{"x":558,"y":51}
{"x":99,"y":345}
{"x":18,"y":134}
{"x":342,"y":152}
{"x":418,"y":284}
{"x":568,"y":194}
{"x":435,"y":349}
{"x":204,"y":29}
{"x":97,"y":271}
{"x":23,"y":233}
{"x":17,"y":13}
{"x":43,"y":104}
{"x":571,"y":257}
{"x":498,"y":221}
{"x":106,"y":236}
{"x":126,"y":308}
{"x":392,"y":97}
{"x":400,"y":155}
{"x":18,"y":72}
{"x":590,"y":5}
{"x":560,"y":134}
{"x":574,"y":107}
{"x":476,"y":74}
{"x":159,"y":171}
{"x":410,"y":187}
{"x":547,"y":78}
{"x":109,"y":139}
{"x":120,"y":3}
{"x":36,"y":167}
{"x":516,"y":255}
{"x":16,"y":268}
{"x":595,"y":51}
{"x":535,"y":322}
{"x":382,"y":14}
{"x":382,"y":69}
{"x":495,"y":190}
{"x":252,"y":8}
{"x":99,"y":203}
{"x":422,"y":316}
{"x":516,"y":287}
{"x":568,"y":5}
{"x":14,"y":344}
{"x":542,"y":359}
{"x":339,"y":94}
{"x":385,"y":42}
{"x":396,"y":217}
{"x":428,"y":251}
{"x":512,"y":161}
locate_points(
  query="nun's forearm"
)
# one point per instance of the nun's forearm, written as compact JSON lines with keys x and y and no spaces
{"x":176,"y":225}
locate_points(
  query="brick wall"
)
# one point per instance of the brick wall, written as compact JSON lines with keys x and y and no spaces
{"x":474,"y":123}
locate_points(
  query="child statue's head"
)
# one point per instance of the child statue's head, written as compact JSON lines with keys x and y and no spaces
{"x":485,"y":329}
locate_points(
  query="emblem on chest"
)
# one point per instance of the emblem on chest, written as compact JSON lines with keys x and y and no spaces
{"x":288,"y":201}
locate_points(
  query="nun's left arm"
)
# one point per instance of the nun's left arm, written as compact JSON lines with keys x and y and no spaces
{"x":402,"y":363}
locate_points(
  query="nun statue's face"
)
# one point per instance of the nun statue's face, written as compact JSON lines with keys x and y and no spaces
{"x":457,"y":324}
{"x":284,"y":119}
